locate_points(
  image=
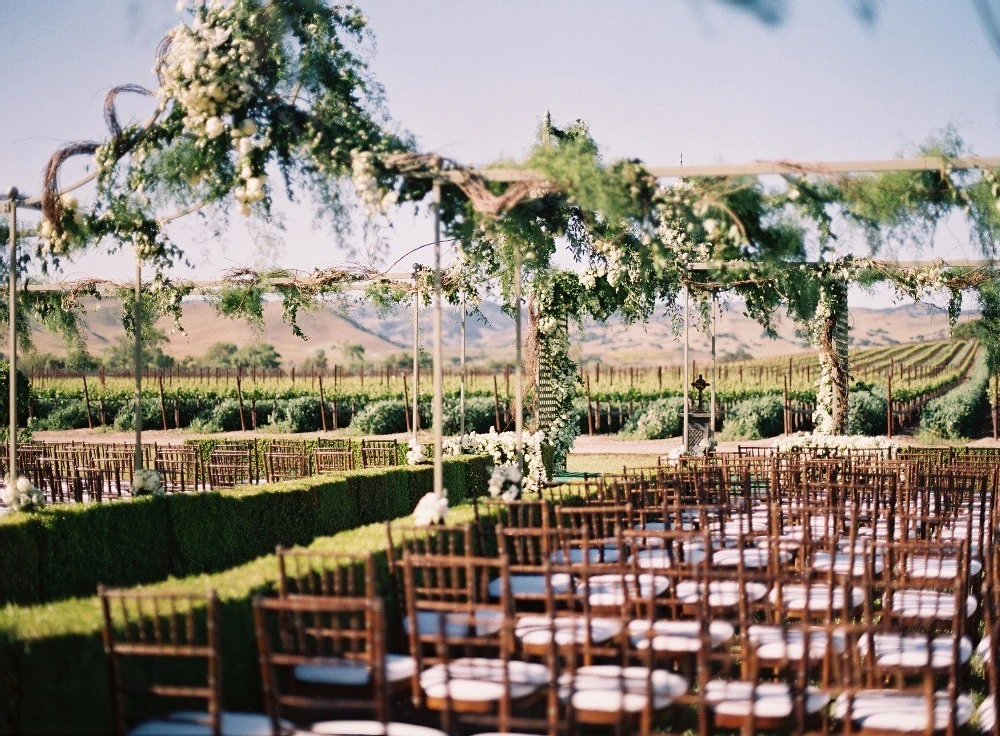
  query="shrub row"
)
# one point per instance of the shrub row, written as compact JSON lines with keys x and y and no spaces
{"x":757,"y":418}
{"x":958,"y":413}
{"x":220,"y":411}
{"x":65,"y":550}
{"x":53,"y":663}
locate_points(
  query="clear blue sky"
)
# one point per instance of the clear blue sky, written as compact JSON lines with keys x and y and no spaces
{"x":472,"y":79}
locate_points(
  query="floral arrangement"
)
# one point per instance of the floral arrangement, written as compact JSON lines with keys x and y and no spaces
{"x":147,"y":482}
{"x":502,"y":447}
{"x":416,"y":454}
{"x":505,"y":482}
{"x":431,"y":509}
{"x":831,"y":445}
{"x":22,"y":495}
{"x":702,"y":449}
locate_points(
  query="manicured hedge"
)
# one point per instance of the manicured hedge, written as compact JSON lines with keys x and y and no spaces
{"x":53,"y":672}
{"x":66,"y":550}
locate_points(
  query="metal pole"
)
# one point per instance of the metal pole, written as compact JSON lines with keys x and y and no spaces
{"x":687,"y":367}
{"x":461,"y":388}
{"x":439,"y":488}
{"x":137,"y":360}
{"x":12,"y":320}
{"x":416,"y":354}
{"x":518,"y":366}
{"x":715,"y":368}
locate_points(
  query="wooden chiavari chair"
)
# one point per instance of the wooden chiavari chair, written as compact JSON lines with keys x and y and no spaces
{"x":279,"y":466}
{"x":332,"y":460}
{"x":153,"y":627}
{"x":180,"y":468}
{"x":379,"y":453}
{"x":229,"y":468}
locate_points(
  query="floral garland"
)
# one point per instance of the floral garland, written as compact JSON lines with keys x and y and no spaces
{"x":558,"y":379}
{"x":831,"y":445}
{"x":830,"y":416}
{"x":502,"y":447}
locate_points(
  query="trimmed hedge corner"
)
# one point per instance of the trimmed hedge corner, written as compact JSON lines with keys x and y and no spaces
{"x":66,"y":550}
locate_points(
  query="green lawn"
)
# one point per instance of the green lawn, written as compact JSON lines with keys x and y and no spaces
{"x":610,"y":463}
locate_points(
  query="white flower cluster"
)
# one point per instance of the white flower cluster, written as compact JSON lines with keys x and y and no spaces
{"x":505,"y":482}
{"x":702,"y":449}
{"x":431,"y":509}
{"x":416,"y":454}
{"x":502,"y":447}
{"x":366,"y":185}
{"x":833,"y":444}
{"x":209,"y":73}
{"x":147,"y":482}
{"x":55,"y":239}
{"x":206,"y":70}
{"x":22,"y":495}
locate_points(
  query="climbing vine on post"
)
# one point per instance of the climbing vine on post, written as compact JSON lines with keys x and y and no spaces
{"x":829,"y":337}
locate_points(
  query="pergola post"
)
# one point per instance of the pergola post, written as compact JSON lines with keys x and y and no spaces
{"x":461,"y":385}
{"x":416,"y":353}
{"x":137,"y":359}
{"x":715,"y":367}
{"x":518,"y":362}
{"x":12,"y":320}
{"x":687,"y":365}
{"x":439,"y":488}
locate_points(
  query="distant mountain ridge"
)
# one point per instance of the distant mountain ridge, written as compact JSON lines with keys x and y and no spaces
{"x":332,"y":328}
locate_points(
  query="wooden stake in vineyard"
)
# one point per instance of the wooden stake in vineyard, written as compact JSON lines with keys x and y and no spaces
{"x":322,"y":404}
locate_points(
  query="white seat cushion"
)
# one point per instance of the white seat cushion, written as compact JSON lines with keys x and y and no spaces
{"x":352,"y":673}
{"x":535,"y":631}
{"x":897,"y":650}
{"x":892,"y":710}
{"x":984,"y":649}
{"x":195,"y":723}
{"x":775,"y":643}
{"x":612,"y":689}
{"x":528,"y":584}
{"x":767,"y":699}
{"x":986,"y":715}
{"x":929,"y":604}
{"x":721,"y":593}
{"x":372,"y":728}
{"x":937,"y":568}
{"x":816,"y":597}
{"x":652,"y":559}
{"x":610,"y":590}
{"x":476,"y":679}
{"x":607,"y":553}
{"x":842,"y":564}
{"x":677,"y":636}
{"x":455,"y":625}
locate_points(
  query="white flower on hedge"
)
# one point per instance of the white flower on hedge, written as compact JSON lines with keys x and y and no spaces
{"x":431,"y":509}
{"x":214,"y":127}
{"x":417,"y":453}
{"x":22,"y":495}
{"x":147,"y":482}
{"x":502,"y":447}
{"x":505,"y":482}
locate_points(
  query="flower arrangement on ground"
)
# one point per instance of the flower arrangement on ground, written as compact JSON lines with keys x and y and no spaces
{"x":147,"y":482}
{"x":431,"y":509}
{"x":502,"y":447}
{"x":831,"y":445}
{"x":505,"y":482}
{"x":22,"y":495}
{"x":416,"y":454}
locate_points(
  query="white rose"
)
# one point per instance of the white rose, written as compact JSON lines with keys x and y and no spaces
{"x":24,"y":485}
{"x":245,"y":146}
{"x":248,"y":127}
{"x":214,"y":127}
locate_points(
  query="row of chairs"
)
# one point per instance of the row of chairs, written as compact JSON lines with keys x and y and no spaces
{"x":761,"y":594}
{"x":94,"y":472}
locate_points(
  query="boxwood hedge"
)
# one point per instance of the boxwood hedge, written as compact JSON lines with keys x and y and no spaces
{"x":66,"y":550}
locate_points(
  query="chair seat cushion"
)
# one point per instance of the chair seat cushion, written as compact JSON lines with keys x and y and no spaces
{"x":894,"y":710}
{"x":928,"y":604}
{"x":613,"y":689}
{"x":842,"y":564}
{"x":677,"y":636}
{"x":477,"y":679}
{"x":194,"y":723}
{"x":608,"y":553}
{"x":775,"y":643}
{"x":610,"y":590}
{"x":986,"y":714}
{"x":767,"y":699}
{"x":721,"y":593}
{"x":816,"y":597}
{"x":352,"y":673}
{"x":538,"y":630}
{"x":525,"y":584}
{"x":937,"y":568}
{"x":371,"y":728}
{"x":456,"y":625}
{"x":899,"y":650}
